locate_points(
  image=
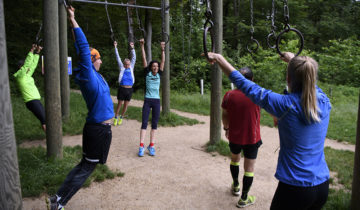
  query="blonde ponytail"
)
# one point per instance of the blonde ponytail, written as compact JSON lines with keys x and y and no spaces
{"x":302,"y":71}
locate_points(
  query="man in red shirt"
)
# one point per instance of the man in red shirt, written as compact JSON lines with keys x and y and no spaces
{"x":241,"y":120}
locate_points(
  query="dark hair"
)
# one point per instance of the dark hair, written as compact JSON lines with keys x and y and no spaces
{"x":152,"y":62}
{"x":20,"y":63}
{"x":247,"y":73}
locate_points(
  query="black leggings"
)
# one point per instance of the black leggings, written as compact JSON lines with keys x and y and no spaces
{"x":37,"y":109}
{"x":294,"y":197}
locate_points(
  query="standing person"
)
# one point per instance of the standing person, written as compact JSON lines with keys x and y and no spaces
{"x":241,"y":120}
{"x":26,"y":83}
{"x":303,"y":118}
{"x":152,"y":98}
{"x":126,"y":81}
{"x":97,"y":130}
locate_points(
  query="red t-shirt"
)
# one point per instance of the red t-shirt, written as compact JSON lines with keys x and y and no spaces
{"x":244,"y":118}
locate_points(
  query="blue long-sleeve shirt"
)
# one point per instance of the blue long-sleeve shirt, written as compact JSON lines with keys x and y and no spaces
{"x":301,"y":160}
{"x":94,"y":88}
{"x":126,"y":76}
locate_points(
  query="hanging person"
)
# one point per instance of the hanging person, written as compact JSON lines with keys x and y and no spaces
{"x":126,"y":81}
{"x":97,"y":130}
{"x":303,"y":118}
{"x":26,"y":84}
{"x":151,"y":98}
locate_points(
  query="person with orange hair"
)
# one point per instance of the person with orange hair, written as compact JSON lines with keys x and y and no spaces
{"x":97,"y":130}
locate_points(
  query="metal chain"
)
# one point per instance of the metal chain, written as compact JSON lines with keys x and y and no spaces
{"x":286,"y":14}
{"x":108,"y":18}
{"x":251,"y":19}
{"x":141,"y":28}
{"x":38,"y":35}
{"x":273,"y":27}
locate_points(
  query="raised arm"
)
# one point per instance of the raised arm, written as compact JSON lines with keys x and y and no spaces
{"x":142,"y":42}
{"x":222,"y":62}
{"x":133,"y":55}
{"x":162,"y":64}
{"x":118,"y":59}
{"x":35,"y":60}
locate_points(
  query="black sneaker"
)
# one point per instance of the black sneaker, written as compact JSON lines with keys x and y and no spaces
{"x":52,"y":203}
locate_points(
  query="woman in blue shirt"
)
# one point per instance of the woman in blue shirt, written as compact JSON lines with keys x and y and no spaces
{"x":152,"y":98}
{"x":303,"y":118}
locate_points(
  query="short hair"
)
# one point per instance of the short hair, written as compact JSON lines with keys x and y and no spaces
{"x":247,"y":73}
{"x":127,"y":60}
{"x":20,"y":63}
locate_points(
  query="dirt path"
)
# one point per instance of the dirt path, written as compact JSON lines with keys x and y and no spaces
{"x":180,"y":176}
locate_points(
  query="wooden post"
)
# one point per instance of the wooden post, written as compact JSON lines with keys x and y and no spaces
{"x":166,"y":75}
{"x":216,"y":74}
{"x":52,"y":79}
{"x":355,"y":195}
{"x":10,"y":190}
{"x":64,"y":81}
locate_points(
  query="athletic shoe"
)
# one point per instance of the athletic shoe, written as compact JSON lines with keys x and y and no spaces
{"x":151,"y":150}
{"x":120,"y":121}
{"x":52,"y":203}
{"x":141,"y":151}
{"x":249,"y":201}
{"x":235,"y":189}
{"x":116,"y":120}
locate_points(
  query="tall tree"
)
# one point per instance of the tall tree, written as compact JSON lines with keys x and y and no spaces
{"x":52,"y":79}
{"x":10,"y":192}
{"x":64,"y":76}
{"x":216,"y":73}
{"x":355,"y":195}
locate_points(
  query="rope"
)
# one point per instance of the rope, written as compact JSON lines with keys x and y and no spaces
{"x":108,"y":18}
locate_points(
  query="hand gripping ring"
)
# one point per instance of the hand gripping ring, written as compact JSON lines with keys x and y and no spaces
{"x":165,"y":38}
{"x":272,"y":35}
{"x":257,"y":46}
{"x":208,"y":28}
{"x":288,"y":30}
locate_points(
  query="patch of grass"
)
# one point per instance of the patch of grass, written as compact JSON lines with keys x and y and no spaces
{"x":345,"y":102}
{"x":39,"y":174}
{"x":191,"y":102}
{"x":338,"y":161}
{"x":222,"y":147}
{"x":338,"y":199}
{"x":28,"y":127}
{"x":171,"y":119}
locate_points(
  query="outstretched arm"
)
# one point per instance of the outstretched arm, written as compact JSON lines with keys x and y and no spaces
{"x":142,"y":42}
{"x":118,"y":59}
{"x":226,"y":67}
{"x":35,"y":60}
{"x":162,"y":64}
{"x":133,"y":55}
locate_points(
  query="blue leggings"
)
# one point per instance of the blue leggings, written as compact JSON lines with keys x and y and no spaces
{"x":154,"y":104}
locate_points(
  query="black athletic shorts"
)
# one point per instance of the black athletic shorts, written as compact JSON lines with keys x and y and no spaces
{"x":124,"y":94}
{"x":294,"y":197}
{"x":96,"y":142}
{"x":37,"y":109}
{"x":250,"y":150}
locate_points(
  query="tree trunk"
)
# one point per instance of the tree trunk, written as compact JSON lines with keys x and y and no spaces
{"x":216,"y":73}
{"x":148,"y":29}
{"x":166,"y":74}
{"x":235,"y":31}
{"x":355,"y":195}
{"x":10,"y":189}
{"x":52,"y":79}
{"x":64,"y":76}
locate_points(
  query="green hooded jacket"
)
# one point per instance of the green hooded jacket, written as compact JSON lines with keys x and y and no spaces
{"x":25,"y":80}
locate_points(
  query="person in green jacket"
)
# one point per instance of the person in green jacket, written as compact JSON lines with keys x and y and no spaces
{"x":27,"y":86}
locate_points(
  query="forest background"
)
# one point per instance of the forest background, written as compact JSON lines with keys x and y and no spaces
{"x":331,"y":31}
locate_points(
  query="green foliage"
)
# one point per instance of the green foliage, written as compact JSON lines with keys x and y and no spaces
{"x":191,"y":102}
{"x":39,"y":174}
{"x":340,"y":62}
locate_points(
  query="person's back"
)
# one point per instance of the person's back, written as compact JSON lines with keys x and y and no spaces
{"x":244,"y":118}
{"x":301,"y":157}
